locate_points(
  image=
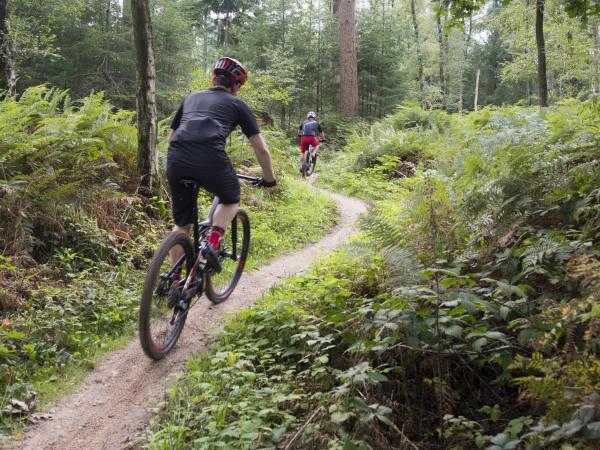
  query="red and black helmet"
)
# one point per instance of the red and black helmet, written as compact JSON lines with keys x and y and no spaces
{"x":232,"y":69}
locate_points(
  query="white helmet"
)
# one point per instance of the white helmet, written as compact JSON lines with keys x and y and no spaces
{"x":311,"y":114}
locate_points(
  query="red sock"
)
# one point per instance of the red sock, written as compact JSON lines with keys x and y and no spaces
{"x":214,"y":239}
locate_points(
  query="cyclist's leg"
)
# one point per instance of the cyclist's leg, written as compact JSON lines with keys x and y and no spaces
{"x":224,"y":183}
{"x":303,"y":149}
{"x":176,"y":252}
{"x":182,"y":202}
{"x":224,"y":214}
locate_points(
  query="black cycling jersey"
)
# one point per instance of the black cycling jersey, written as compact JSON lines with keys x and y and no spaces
{"x":202,"y":124}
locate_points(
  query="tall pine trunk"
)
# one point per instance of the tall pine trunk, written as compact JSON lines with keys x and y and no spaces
{"x":146,"y":95}
{"x":348,"y":59}
{"x":596,"y":29}
{"x":541,"y":53}
{"x":476,"y":101}
{"x":442,"y":59}
{"x":6,"y":51}
{"x":461,"y":95}
{"x":413,"y":12}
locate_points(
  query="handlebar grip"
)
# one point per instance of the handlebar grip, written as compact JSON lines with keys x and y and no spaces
{"x":247,"y":177}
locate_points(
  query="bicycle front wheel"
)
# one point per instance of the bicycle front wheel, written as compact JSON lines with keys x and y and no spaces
{"x":305,"y":167}
{"x":161,"y":316}
{"x":232,"y":252}
{"x":311,"y":165}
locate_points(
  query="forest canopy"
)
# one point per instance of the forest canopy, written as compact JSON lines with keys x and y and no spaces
{"x":432,"y":52}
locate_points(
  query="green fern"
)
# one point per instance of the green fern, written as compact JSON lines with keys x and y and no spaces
{"x":55,"y":156}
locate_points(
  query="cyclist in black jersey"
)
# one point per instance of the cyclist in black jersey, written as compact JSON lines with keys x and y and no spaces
{"x":197,"y":141}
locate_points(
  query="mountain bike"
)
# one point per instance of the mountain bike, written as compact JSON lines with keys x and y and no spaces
{"x":171,"y":290}
{"x":308,"y":166}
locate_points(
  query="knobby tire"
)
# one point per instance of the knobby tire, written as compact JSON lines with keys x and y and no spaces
{"x":311,"y":165}
{"x":218,"y":287}
{"x":155,"y":312}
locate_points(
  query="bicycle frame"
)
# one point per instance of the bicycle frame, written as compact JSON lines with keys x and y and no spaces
{"x":198,"y":228}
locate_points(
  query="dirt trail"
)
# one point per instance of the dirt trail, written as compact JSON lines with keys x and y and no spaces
{"x":112,"y":407}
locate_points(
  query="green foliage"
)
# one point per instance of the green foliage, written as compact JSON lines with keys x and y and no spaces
{"x":51,"y":150}
{"x":70,"y":282}
{"x":501,"y":221}
{"x":264,"y":376}
{"x":465,"y":316}
{"x":86,"y":46}
{"x":64,"y":327}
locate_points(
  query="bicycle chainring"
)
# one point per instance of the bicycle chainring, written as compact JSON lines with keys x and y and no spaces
{"x":175,"y":292}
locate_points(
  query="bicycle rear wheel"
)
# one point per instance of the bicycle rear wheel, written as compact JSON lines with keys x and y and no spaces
{"x":233,"y":252}
{"x":161,"y":318}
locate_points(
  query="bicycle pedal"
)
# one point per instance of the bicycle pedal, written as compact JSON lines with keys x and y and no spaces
{"x":194,"y":288}
{"x":213,"y":265}
{"x":183,"y":304}
{"x":174,"y":294}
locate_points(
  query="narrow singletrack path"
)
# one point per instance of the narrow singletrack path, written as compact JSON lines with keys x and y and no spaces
{"x":113,"y":406}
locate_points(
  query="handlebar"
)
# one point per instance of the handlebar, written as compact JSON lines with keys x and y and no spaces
{"x":248,"y":178}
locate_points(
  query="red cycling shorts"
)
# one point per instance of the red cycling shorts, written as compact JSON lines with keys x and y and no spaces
{"x":305,"y":141}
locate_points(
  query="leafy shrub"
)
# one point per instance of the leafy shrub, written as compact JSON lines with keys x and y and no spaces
{"x":58,"y":160}
{"x":497,"y":345}
{"x":66,"y":183}
{"x":412,"y":116}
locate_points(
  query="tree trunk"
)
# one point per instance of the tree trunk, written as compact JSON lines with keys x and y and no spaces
{"x":383,"y":43}
{"x":205,"y":63}
{"x":7,"y":61}
{"x":226,"y":26}
{"x":319,"y":64}
{"x":596,"y":29}
{"x":442,"y":58}
{"x":475,"y":105}
{"x":146,"y":96}
{"x":335,"y":5}
{"x":348,"y":63}
{"x":413,"y":12}
{"x":541,"y":53}
{"x":461,"y":94}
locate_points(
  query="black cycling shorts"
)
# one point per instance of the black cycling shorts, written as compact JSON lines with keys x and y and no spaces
{"x":221,"y":181}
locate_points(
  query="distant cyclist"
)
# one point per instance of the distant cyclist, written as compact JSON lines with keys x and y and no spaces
{"x":197,"y":151}
{"x":308,"y":134}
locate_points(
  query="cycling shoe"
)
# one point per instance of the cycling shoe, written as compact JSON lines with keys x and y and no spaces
{"x":213,"y":265}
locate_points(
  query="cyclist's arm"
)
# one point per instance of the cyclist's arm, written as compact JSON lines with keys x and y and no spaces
{"x":175,"y":123}
{"x":263,"y":156}
{"x":321,"y":131}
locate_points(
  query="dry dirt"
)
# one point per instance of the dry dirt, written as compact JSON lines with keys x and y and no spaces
{"x":113,"y":406}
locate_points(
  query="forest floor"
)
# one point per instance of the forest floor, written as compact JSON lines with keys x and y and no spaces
{"x":113,"y":406}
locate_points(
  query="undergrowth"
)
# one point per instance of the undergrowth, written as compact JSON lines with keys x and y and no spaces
{"x":77,"y":235}
{"x":467,"y":317}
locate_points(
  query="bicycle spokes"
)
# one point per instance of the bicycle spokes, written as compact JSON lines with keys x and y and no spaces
{"x":164,"y":305}
{"x":232,"y":254}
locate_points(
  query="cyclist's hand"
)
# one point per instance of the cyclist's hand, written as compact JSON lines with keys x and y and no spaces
{"x":264,"y":183}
